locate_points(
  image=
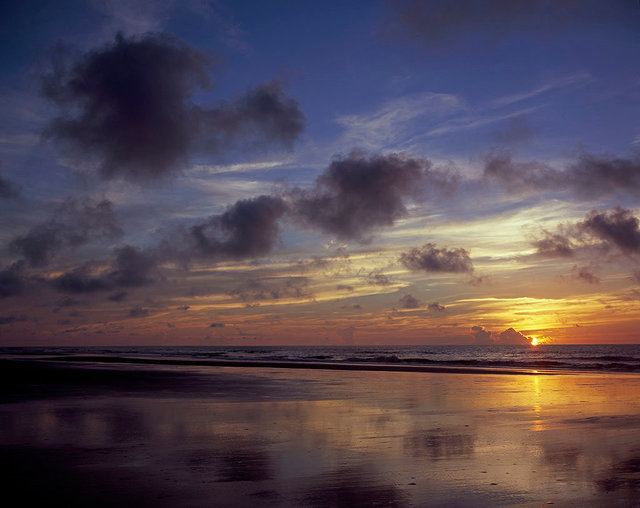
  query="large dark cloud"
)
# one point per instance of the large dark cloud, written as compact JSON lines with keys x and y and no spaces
{"x":617,"y":228}
{"x":429,"y":258}
{"x":247,"y":229}
{"x":589,"y":176}
{"x":73,"y":224}
{"x":358,"y":194}
{"x":128,"y":106}
{"x":131,"y":268}
{"x":442,"y":22}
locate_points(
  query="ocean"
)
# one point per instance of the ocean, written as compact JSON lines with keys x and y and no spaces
{"x":551,"y":357}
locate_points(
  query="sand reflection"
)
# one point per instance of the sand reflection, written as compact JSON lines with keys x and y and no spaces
{"x":240,"y":437}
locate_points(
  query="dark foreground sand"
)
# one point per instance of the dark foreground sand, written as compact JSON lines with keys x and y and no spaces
{"x":149,"y":435}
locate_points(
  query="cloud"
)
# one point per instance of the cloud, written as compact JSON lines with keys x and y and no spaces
{"x":389,"y":123}
{"x":254,"y":290}
{"x":585,"y":274}
{"x":436,"y":307}
{"x":409,"y":302}
{"x":118,"y":296}
{"x":615,"y":228}
{"x":440,"y":23}
{"x":512,"y":337}
{"x":357,"y":195}
{"x":132,"y":267}
{"x":481,"y":336}
{"x":138,"y":312}
{"x":217,"y":325}
{"x":8,"y":190}
{"x":378,"y":279}
{"x":73,"y":224}
{"x":7,"y":320}
{"x":507,"y":337}
{"x":429,"y":258}
{"x":13,"y":280}
{"x":129,"y":107}
{"x":589,"y":176}
{"x":553,"y":245}
{"x":247,"y":229}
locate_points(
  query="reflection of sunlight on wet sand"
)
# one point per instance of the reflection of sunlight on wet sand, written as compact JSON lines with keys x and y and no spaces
{"x":407,"y":438}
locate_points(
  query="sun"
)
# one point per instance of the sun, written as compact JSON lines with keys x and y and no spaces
{"x":534,"y":341}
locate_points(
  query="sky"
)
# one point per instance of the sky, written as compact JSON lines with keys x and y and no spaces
{"x":368,"y":172}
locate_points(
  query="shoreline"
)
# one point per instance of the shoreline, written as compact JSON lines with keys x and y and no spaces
{"x":313,"y":365}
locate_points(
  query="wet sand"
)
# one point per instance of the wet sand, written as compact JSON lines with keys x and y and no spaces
{"x":79,"y":434}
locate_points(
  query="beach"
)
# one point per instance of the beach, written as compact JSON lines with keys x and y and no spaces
{"x":133,"y":434}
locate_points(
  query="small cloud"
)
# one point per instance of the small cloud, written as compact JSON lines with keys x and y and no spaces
{"x":118,"y":296}
{"x":184,"y":307}
{"x":585,"y":273}
{"x":409,"y":302}
{"x":7,"y":320}
{"x":138,"y":312}
{"x":217,"y":325}
{"x":436,"y":307}
{"x":344,"y":287}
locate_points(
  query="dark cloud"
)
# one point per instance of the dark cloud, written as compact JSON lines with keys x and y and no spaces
{"x":13,"y":280}
{"x":247,"y":229}
{"x":273,"y":289}
{"x":344,"y":287}
{"x":481,"y":336}
{"x":118,"y":296}
{"x":138,"y":312}
{"x":429,"y":258}
{"x":217,"y":325}
{"x":409,"y":302}
{"x":128,"y":105}
{"x":358,"y":194}
{"x":553,"y":245}
{"x":8,"y":190}
{"x":436,"y":307}
{"x":507,"y":337}
{"x":445,"y":24}
{"x":184,"y":307}
{"x":585,"y":274}
{"x":378,"y":279}
{"x":590,"y":176}
{"x":7,"y":320}
{"x":131,"y":268}
{"x":73,"y":224}
{"x":617,"y":226}
{"x":511,"y":337}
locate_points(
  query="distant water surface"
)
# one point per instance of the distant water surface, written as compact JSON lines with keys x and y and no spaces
{"x":599,"y":358}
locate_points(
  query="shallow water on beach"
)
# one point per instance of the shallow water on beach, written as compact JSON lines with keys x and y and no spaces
{"x":275,"y":437}
{"x":593,"y":357}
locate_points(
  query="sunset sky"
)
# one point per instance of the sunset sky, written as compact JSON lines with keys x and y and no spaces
{"x":322,"y":172}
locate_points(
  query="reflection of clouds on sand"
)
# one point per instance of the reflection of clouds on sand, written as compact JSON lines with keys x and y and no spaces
{"x":439,"y":443}
{"x":300,"y":437}
{"x":352,"y":486}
